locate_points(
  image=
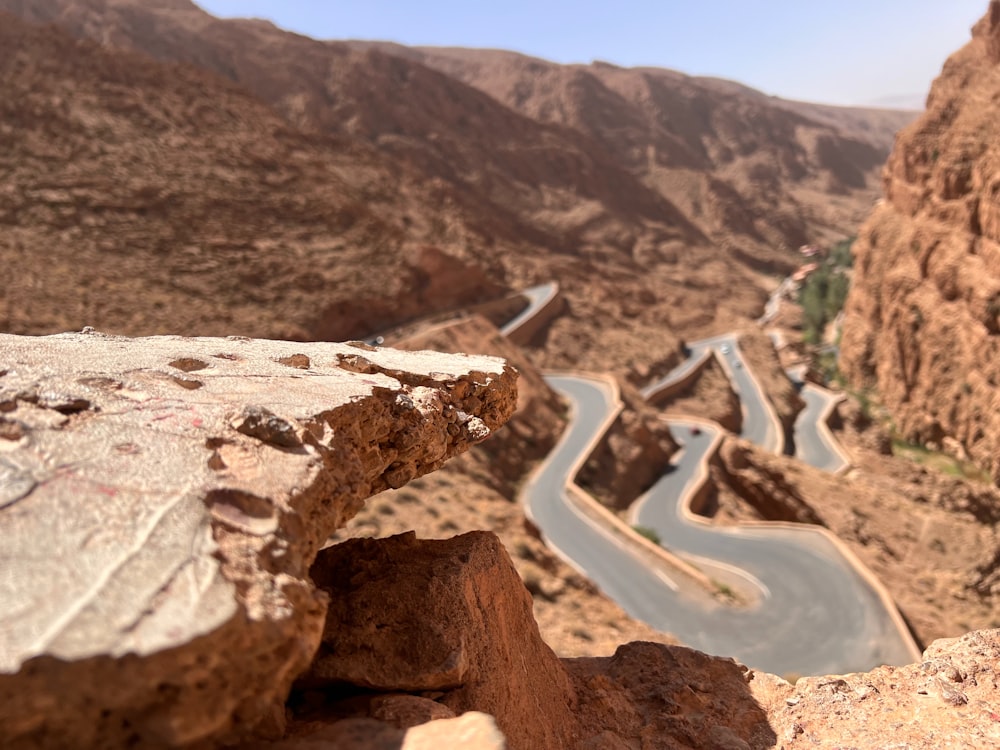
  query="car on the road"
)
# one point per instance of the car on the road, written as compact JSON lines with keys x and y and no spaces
{"x":738,"y":364}
{"x":695,"y":430}
{"x":725,"y":349}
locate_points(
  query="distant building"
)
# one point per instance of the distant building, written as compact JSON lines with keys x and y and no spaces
{"x":802,"y":273}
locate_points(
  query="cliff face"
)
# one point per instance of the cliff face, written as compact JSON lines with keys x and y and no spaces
{"x":921,"y":324}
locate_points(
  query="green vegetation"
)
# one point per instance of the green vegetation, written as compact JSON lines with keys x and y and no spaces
{"x":824,"y":291}
{"x":647,"y":532}
{"x":725,"y":589}
{"x":840,"y":254}
{"x":938,"y":461}
{"x":827,"y":365}
{"x":864,"y":398}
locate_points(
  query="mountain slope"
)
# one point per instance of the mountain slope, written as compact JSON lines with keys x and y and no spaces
{"x":921,"y":324}
{"x":141,"y":197}
{"x":751,"y":170}
{"x":663,"y":205}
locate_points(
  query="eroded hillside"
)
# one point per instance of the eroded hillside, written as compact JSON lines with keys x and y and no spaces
{"x":757,"y":174}
{"x":143,"y":197}
{"x":922,"y":325}
{"x":644,"y":193}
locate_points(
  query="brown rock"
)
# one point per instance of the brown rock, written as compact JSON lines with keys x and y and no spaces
{"x":471,"y":731}
{"x":948,"y":700}
{"x":157,"y":555}
{"x":631,"y":455}
{"x":760,"y":482}
{"x":405,"y":711}
{"x":574,"y":617}
{"x":533,"y":430}
{"x":921,"y":321}
{"x":448,"y":616}
{"x":656,"y":696}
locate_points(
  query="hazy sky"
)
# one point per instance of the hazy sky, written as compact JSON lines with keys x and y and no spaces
{"x":845,"y":52}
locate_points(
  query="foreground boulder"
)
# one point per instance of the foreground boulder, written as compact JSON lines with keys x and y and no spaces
{"x":421,"y":630}
{"x":446,"y":617}
{"x":161,"y":501}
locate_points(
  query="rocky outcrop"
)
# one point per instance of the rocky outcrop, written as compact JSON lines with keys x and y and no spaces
{"x":630,"y":456}
{"x":761,"y":484}
{"x":708,"y":395}
{"x":161,"y":502}
{"x":533,"y":430}
{"x":922,"y":322}
{"x":448,"y":622}
{"x":947,"y":700}
{"x":449,"y":618}
{"x":646,"y":694}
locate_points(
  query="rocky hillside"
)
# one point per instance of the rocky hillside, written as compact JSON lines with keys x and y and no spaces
{"x":922,"y":325}
{"x":148,"y":197}
{"x":643,"y":192}
{"x":754,"y":173}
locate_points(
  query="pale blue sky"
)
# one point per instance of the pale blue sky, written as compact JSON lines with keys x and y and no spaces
{"x":844,"y":52}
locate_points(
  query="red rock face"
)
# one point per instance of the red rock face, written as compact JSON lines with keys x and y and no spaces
{"x":922,"y":325}
{"x":450,"y":617}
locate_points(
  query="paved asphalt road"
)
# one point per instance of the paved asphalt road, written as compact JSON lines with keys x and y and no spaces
{"x":538,"y":297}
{"x":618,"y":571}
{"x":758,"y":426}
{"x":818,"y":616}
{"x":811,"y":444}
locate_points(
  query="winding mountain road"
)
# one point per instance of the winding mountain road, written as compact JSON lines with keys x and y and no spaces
{"x":538,"y":297}
{"x":817,"y":613}
{"x":813,"y":444}
{"x":760,"y":425}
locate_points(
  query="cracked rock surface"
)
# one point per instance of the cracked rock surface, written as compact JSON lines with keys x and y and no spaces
{"x":161,"y":501}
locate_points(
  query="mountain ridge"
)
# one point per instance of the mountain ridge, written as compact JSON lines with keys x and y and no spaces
{"x":615,"y":202}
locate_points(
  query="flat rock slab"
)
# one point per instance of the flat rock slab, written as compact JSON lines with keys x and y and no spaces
{"x":161,"y":500}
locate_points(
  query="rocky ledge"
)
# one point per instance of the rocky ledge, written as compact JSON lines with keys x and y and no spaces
{"x":162,"y":501}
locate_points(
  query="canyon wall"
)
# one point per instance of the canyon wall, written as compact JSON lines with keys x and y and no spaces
{"x":922,"y":321}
